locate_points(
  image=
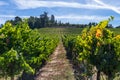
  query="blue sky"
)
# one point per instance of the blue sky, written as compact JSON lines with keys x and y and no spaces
{"x":73,"y":11}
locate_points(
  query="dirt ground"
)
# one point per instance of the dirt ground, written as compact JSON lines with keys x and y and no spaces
{"x":58,"y":67}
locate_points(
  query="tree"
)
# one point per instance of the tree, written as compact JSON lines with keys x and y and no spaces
{"x":31,"y":22}
{"x":44,"y":19}
{"x":17,"y":20}
{"x":118,"y":27}
{"x":109,"y":26}
{"x":37,"y":23}
{"x":52,"y":20}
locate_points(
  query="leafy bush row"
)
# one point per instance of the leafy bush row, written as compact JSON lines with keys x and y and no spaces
{"x":97,"y":49}
{"x":23,"y":49}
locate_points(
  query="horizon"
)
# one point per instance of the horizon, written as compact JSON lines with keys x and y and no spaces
{"x":72,"y":11}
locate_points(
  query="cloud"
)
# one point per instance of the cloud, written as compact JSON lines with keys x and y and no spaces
{"x":69,"y":16}
{"x":94,"y":4}
{"x":74,"y":17}
{"x":85,"y":19}
{"x":114,"y":8}
{"x":2,"y":21}
{"x":82,"y":17}
{"x":3,"y":3}
{"x":12,"y":16}
{"x":24,"y":4}
{"x":4,"y":18}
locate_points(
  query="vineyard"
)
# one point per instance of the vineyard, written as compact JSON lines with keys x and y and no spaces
{"x":94,"y":51}
{"x":22,"y":50}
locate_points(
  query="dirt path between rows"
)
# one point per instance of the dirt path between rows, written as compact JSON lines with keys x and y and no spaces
{"x":58,"y":67}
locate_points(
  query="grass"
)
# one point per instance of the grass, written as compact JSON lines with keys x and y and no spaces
{"x":116,"y":31}
{"x":68,"y":31}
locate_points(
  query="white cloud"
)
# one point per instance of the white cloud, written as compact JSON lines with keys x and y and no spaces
{"x":12,"y":16}
{"x":94,"y":4}
{"x":74,"y":17}
{"x":114,"y":8}
{"x":24,"y":4}
{"x":85,"y":19}
{"x":3,"y":3}
{"x":82,"y":17}
{"x":4,"y":18}
{"x":2,"y":21}
{"x":69,"y":16}
{"x":7,"y":16}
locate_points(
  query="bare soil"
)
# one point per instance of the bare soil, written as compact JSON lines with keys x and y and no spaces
{"x":58,"y":67}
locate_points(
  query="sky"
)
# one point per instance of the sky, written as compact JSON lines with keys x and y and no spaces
{"x":73,"y":11}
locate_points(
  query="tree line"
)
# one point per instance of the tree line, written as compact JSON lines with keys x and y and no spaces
{"x":49,"y":21}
